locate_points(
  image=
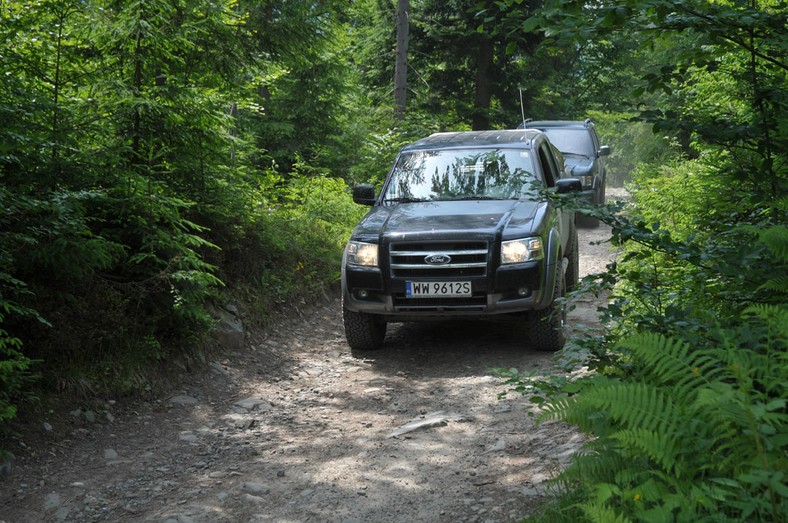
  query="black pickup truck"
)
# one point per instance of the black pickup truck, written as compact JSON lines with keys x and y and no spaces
{"x":463,"y":229}
{"x":579,"y":142}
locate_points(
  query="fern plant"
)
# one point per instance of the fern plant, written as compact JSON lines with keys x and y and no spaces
{"x":689,"y":434}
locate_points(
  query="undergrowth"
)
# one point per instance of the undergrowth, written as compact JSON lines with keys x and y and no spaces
{"x":685,"y":401}
{"x":687,"y":433}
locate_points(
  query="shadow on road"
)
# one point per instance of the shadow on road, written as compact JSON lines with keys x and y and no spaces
{"x":455,"y":348}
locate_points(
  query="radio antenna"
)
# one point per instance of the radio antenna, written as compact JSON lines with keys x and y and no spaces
{"x":522,"y":107}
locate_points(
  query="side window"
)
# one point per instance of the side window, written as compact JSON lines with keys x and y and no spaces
{"x":594,"y":139}
{"x":547,"y":164}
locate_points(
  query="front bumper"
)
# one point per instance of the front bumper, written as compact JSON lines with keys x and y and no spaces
{"x":510,"y":289}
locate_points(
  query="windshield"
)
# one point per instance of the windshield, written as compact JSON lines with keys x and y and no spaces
{"x":461,"y":175}
{"x":572,"y":141}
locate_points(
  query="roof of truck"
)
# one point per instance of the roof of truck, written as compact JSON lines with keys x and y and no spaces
{"x":573,"y":124}
{"x":520,"y":138}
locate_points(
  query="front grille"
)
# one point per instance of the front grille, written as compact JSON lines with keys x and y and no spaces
{"x":477,"y":303}
{"x":408,"y":260}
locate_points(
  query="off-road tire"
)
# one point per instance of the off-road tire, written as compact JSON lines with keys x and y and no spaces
{"x":546,"y":326}
{"x":572,"y":274}
{"x":364,"y":332}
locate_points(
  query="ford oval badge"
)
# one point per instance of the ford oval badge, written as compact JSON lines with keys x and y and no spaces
{"x":437,"y":259}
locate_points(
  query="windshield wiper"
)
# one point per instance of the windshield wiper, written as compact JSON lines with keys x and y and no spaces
{"x":476,"y":198}
{"x":404,"y":199}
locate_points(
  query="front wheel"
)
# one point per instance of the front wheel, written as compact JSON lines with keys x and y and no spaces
{"x":546,"y":326}
{"x":363,"y":331}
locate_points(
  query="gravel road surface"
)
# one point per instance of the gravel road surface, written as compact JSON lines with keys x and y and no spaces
{"x":294,"y":428}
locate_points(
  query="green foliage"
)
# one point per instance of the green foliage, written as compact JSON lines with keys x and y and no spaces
{"x":690,"y":423}
{"x":299,"y":112}
{"x":633,"y":144}
{"x":150,"y":148}
{"x":688,"y":268}
{"x":92,"y":265}
{"x":292,"y":250}
{"x":15,"y":367}
{"x":685,"y":401}
{"x":691,"y":433}
{"x":467,"y":61}
{"x":54,"y":236}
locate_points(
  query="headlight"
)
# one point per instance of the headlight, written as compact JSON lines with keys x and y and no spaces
{"x":518,"y":251}
{"x":360,"y":253}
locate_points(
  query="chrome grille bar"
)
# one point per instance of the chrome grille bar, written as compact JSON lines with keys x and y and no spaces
{"x":468,"y":259}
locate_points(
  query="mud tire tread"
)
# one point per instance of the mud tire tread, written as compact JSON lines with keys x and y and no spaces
{"x":364,"y":332}
{"x":546,"y":326}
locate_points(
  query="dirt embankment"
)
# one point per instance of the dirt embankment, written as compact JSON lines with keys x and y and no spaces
{"x":293,"y":428}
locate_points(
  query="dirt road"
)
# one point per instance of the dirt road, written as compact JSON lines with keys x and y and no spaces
{"x":293,"y":428}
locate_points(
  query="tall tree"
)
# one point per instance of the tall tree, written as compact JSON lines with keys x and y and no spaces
{"x":401,"y":66}
{"x":473,"y":56}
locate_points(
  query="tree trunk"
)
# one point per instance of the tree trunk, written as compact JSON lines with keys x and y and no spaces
{"x":484,"y":84}
{"x":401,"y":64}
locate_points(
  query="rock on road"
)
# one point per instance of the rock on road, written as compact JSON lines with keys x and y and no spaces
{"x":294,"y":428}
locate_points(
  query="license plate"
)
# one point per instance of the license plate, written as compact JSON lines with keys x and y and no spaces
{"x":438,"y":289}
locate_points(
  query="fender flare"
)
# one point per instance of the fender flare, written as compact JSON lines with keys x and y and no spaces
{"x":552,"y":257}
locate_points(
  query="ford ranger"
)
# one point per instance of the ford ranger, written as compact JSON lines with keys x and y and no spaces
{"x":464,"y":228}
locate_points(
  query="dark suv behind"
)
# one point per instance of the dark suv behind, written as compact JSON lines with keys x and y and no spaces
{"x":583,"y":154}
{"x":463,"y":229}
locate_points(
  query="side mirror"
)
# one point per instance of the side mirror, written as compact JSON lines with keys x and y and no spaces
{"x":364,"y":194}
{"x":604,"y":150}
{"x":567,"y":185}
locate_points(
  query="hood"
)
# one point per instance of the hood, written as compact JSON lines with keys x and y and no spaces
{"x":579,"y":165}
{"x":471,"y":219}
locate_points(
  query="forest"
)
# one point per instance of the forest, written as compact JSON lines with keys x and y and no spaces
{"x":158,"y":157}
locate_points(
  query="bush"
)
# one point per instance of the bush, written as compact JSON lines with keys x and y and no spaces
{"x":292,"y":249}
{"x":14,"y":370}
{"x":688,"y":433}
{"x":688,"y":409}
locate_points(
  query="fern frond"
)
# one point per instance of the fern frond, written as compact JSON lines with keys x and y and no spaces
{"x":580,"y":413}
{"x":634,"y":405}
{"x":599,"y":513}
{"x":672,"y":363}
{"x":776,"y":239}
{"x":557,"y":409}
{"x":720,"y":402}
{"x":601,"y":466}
{"x":659,"y":447}
{"x":779,"y":284}
{"x":775,"y":316}
{"x":780,"y":203}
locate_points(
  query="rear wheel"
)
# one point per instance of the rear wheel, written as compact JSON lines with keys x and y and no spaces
{"x":363,"y":331}
{"x":546,"y":326}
